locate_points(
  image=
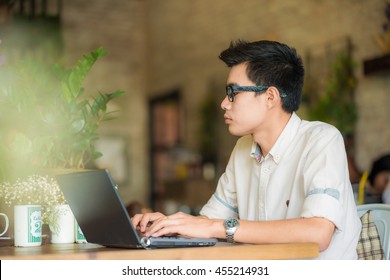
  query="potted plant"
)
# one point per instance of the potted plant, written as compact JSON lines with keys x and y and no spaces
{"x":52,"y":123}
{"x":336,"y":105}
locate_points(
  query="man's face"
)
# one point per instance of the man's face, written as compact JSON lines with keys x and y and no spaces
{"x":246,"y":114}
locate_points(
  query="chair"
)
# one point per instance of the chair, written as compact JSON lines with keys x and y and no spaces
{"x":380,"y":213}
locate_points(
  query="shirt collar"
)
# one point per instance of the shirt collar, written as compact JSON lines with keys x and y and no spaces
{"x":256,"y":152}
{"x":281,"y":144}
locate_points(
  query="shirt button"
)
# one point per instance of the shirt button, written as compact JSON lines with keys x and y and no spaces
{"x":261,"y":205}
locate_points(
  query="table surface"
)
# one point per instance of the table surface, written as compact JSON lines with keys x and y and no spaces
{"x":221,"y":251}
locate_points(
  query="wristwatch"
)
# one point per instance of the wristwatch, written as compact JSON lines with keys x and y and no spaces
{"x":231,"y":225}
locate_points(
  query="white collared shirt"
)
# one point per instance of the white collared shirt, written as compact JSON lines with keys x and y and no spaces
{"x":304,"y":175}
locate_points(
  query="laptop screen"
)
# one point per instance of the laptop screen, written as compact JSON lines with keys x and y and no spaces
{"x":96,"y":204}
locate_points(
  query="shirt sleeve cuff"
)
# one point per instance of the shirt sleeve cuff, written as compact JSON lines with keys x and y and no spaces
{"x":217,"y":209}
{"x":324,"y":206}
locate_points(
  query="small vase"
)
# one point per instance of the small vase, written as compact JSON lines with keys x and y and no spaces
{"x":62,"y":225}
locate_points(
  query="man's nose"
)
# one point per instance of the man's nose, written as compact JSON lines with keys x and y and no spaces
{"x":225,"y":104}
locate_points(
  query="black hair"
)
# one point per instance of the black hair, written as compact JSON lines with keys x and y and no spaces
{"x":379,"y":165}
{"x":270,"y":63}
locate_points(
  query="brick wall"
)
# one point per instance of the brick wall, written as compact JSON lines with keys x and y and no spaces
{"x":119,"y":27}
{"x":157,"y":46}
{"x":186,"y":37}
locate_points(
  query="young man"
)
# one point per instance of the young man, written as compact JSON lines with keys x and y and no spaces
{"x":287,"y":179}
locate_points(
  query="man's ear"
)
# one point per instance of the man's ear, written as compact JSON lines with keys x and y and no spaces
{"x":273,"y":97}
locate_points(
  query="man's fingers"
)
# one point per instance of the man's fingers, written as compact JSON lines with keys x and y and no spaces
{"x":135,"y":219}
{"x":148,"y":219}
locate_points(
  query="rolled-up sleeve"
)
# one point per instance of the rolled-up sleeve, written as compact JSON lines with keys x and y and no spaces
{"x":218,"y":208}
{"x":325,"y":179}
{"x":325,"y":206}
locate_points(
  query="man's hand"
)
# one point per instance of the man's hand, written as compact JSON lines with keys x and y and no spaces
{"x":157,"y":224}
{"x":142,"y":221}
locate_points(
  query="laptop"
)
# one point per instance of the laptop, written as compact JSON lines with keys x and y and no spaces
{"x":103,"y":218}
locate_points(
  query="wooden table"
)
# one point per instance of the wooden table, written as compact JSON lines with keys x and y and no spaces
{"x":222,"y":251}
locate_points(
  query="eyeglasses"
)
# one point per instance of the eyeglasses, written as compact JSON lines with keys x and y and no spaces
{"x":232,"y":91}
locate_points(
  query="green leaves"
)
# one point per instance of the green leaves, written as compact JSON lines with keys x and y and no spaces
{"x":50,"y":116}
{"x":73,"y":79}
{"x":337,"y":105}
{"x":82,"y":115}
{"x":99,"y":104}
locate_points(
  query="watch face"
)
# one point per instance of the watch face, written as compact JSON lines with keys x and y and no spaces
{"x":231,"y":223}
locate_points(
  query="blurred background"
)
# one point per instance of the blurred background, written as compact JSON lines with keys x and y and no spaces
{"x":168,"y":144}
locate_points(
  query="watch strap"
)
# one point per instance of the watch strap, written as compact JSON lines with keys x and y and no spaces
{"x":231,"y":226}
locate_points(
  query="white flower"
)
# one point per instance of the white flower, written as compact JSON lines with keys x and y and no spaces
{"x":35,"y":189}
